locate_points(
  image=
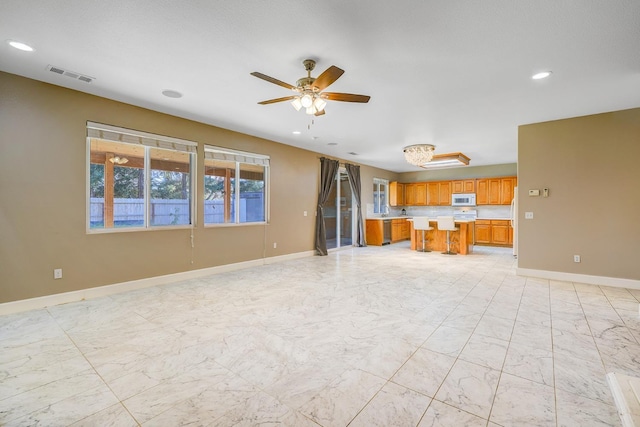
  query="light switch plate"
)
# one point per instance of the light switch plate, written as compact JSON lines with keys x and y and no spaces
{"x":528,"y":215}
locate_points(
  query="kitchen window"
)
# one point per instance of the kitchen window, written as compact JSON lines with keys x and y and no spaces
{"x":235,"y":186}
{"x":380,"y":195}
{"x":137,"y":180}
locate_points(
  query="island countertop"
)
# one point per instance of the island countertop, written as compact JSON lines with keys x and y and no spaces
{"x":382,"y":218}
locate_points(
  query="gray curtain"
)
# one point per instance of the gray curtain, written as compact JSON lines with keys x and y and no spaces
{"x":328,"y":170}
{"x":353,"y":173}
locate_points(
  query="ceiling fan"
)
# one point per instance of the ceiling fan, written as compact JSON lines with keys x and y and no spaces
{"x":309,"y":90}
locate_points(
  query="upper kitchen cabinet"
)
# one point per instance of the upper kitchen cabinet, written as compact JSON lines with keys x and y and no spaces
{"x":396,"y":194}
{"x":463,"y":186}
{"x":507,"y":187}
{"x":415,"y":194}
{"x":439,"y":193}
{"x":495,"y":191}
{"x":421,"y":193}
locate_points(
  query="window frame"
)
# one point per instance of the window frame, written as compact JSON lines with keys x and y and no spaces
{"x":379,"y":182}
{"x":239,"y":157}
{"x":148,"y":141}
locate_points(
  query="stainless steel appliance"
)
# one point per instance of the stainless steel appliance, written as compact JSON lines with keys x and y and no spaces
{"x":463,"y":199}
{"x":386,"y":231}
{"x":514,"y":221}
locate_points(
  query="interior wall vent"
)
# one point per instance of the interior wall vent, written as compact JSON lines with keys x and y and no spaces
{"x":72,"y":74}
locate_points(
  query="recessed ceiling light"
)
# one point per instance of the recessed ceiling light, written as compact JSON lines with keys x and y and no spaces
{"x":296,"y":132}
{"x":542,"y":75}
{"x":172,"y":93}
{"x":20,"y":46}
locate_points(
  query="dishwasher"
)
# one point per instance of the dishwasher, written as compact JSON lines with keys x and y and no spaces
{"x":386,"y":231}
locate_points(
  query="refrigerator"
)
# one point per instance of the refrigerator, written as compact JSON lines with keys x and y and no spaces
{"x":514,"y":220}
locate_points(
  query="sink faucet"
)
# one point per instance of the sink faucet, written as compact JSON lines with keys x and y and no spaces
{"x":385,"y":211}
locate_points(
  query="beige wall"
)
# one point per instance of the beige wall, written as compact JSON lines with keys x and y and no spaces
{"x":590,"y":165}
{"x":43,"y":196}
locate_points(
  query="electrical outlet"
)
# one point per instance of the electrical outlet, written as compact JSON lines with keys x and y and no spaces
{"x":576,"y":258}
{"x":304,"y":213}
{"x":57,"y":273}
{"x":275,"y":245}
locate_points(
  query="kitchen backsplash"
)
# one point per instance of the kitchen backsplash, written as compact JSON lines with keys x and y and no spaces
{"x":488,"y":211}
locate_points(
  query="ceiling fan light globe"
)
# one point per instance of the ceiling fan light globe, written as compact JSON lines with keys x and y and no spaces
{"x":319,"y":104}
{"x":311,"y":110}
{"x":296,"y":104}
{"x":306,"y":101}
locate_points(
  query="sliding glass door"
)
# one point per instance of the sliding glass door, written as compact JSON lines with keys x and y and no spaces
{"x":338,"y":214}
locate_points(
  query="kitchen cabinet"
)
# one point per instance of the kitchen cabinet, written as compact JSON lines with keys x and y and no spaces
{"x":483,"y":231}
{"x":399,"y":230}
{"x":500,"y":232}
{"x":406,"y":230}
{"x":495,"y":191}
{"x":439,"y":193}
{"x":421,"y":194}
{"x":495,"y":185}
{"x":507,"y":186}
{"x":396,"y":194}
{"x":409,"y":194}
{"x":463,"y":186}
{"x":482,"y":191}
{"x":374,"y":232}
{"x":445,"y":193}
{"x":497,"y":232}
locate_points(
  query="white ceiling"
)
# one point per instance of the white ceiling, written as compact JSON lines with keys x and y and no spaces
{"x":455,"y":74}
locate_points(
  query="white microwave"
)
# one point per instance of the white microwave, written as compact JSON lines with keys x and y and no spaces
{"x":463,"y":199}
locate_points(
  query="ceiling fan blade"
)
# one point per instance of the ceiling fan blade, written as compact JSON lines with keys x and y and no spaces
{"x":273,"y":101}
{"x":320,"y":113}
{"x":345,"y":97}
{"x":329,"y":76}
{"x":272,"y":80}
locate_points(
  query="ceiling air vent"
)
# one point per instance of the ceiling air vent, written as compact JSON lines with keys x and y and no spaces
{"x":72,"y":74}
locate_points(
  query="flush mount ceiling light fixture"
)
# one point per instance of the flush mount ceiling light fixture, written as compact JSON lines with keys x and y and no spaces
{"x":20,"y":45}
{"x":449,"y":160}
{"x":541,"y":75}
{"x":117,"y":160}
{"x":310,"y":95}
{"x":418,"y":154}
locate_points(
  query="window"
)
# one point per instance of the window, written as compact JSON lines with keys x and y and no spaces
{"x":235,"y":186}
{"x":380,"y":195}
{"x":138,"y":180}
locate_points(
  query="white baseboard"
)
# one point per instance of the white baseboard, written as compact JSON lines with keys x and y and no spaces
{"x":580,"y":278}
{"x":116,"y":288}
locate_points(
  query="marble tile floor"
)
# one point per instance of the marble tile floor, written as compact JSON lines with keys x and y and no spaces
{"x":377,"y":336}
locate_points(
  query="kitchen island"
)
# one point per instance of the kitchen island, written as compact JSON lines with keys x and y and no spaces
{"x":461,"y":240}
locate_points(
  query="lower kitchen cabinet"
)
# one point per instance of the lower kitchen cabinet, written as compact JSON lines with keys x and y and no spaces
{"x":495,"y":232}
{"x":483,"y":231}
{"x":400,"y":230}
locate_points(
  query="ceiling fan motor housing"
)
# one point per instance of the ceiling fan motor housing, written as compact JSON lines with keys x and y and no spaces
{"x":305,"y":83}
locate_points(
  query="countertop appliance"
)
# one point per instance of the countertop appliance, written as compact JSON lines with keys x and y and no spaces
{"x":463,"y":199}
